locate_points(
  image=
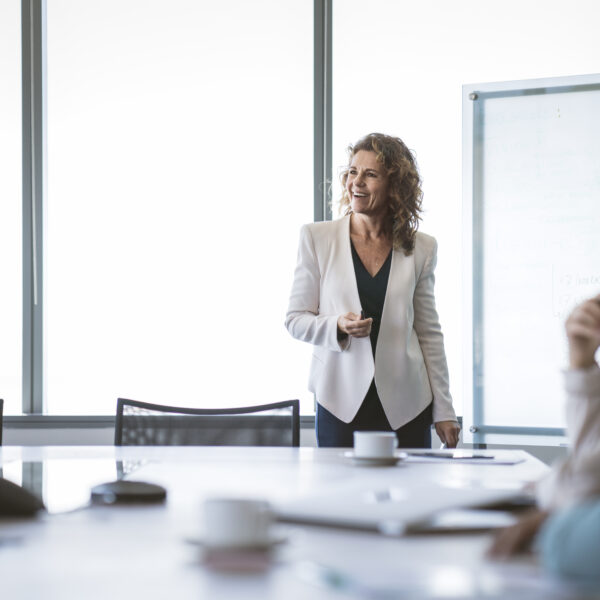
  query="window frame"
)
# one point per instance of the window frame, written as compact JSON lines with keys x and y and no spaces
{"x":33,"y":36}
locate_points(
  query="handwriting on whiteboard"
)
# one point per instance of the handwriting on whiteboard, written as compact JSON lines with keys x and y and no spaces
{"x":572,"y":287}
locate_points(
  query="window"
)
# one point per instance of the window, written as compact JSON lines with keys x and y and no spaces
{"x":398,"y":68}
{"x":11,"y":226}
{"x":179,"y":173}
{"x":180,"y":161}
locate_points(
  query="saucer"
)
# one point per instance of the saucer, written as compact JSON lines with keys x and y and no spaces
{"x":375,"y":462}
{"x":262,"y":546}
{"x":246,"y":559}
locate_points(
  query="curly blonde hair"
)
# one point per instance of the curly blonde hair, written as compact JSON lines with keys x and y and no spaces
{"x":404,"y":186}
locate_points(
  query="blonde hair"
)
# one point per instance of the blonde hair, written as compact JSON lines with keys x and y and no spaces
{"x":404,"y":186}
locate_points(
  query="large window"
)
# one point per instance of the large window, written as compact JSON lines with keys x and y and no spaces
{"x":398,"y":68}
{"x":180,"y":167}
{"x":11,"y":277}
{"x":179,"y":173}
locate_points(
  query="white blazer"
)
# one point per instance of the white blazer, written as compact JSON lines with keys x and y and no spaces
{"x":410,"y":368}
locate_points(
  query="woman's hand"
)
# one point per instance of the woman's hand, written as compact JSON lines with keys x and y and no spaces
{"x":351,"y":324}
{"x":518,"y":537}
{"x":448,"y":432}
{"x":583,"y":332}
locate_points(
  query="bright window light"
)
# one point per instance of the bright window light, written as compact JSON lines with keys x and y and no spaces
{"x":179,"y":173}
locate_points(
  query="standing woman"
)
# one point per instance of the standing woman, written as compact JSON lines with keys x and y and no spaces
{"x":363,"y":296}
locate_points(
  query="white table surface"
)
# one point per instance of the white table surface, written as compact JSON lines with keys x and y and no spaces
{"x":142,"y":552}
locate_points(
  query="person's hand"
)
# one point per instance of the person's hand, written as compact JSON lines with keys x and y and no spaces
{"x":351,"y":324}
{"x":518,"y":537}
{"x":583,"y":333}
{"x":448,"y":432}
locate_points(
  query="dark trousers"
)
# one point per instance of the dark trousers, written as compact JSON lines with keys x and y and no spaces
{"x":332,"y":432}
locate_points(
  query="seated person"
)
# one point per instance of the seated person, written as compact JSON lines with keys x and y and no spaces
{"x":567,"y":525}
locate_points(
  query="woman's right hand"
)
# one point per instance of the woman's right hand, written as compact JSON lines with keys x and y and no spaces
{"x":351,"y":324}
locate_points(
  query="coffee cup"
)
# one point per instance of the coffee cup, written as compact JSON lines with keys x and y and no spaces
{"x":236,"y":522}
{"x":375,"y":444}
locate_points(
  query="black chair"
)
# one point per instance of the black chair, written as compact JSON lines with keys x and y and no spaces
{"x":1,"y":413}
{"x":145,"y":424}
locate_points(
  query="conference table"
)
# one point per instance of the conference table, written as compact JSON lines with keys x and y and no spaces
{"x":342,"y":530}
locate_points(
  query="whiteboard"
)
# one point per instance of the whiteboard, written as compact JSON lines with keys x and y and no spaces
{"x":532,"y":196}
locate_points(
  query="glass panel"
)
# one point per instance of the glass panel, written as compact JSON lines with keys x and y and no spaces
{"x":180,"y":171}
{"x":398,"y":67}
{"x":11,"y":240}
{"x":541,"y":219}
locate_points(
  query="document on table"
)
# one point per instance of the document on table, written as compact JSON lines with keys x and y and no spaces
{"x":465,"y":457}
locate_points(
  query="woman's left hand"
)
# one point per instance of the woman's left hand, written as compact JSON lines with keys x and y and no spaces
{"x":448,"y":432}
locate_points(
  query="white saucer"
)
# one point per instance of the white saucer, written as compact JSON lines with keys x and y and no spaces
{"x":376,"y":462}
{"x":254,"y":547}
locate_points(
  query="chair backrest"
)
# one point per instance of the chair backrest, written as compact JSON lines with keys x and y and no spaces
{"x":146,"y":424}
{"x":1,"y":413}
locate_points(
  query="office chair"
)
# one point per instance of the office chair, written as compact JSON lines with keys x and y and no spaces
{"x":146,"y":424}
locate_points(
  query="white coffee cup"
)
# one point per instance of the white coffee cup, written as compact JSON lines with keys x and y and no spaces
{"x":236,"y":522}
{"x":375,"y":444}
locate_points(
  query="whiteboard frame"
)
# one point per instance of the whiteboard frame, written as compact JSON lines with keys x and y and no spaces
{"x":475,"y":430}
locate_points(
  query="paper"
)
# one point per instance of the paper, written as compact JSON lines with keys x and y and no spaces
{"x":465,"y":457}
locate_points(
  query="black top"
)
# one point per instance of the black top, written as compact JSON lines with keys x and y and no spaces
{"x":371,"y":291}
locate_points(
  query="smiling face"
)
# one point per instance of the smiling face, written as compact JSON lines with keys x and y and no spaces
{"x":366,"y":184}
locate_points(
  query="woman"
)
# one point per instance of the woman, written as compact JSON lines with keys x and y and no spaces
{"x":566,"y":528}
{"x":363,"y":296}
